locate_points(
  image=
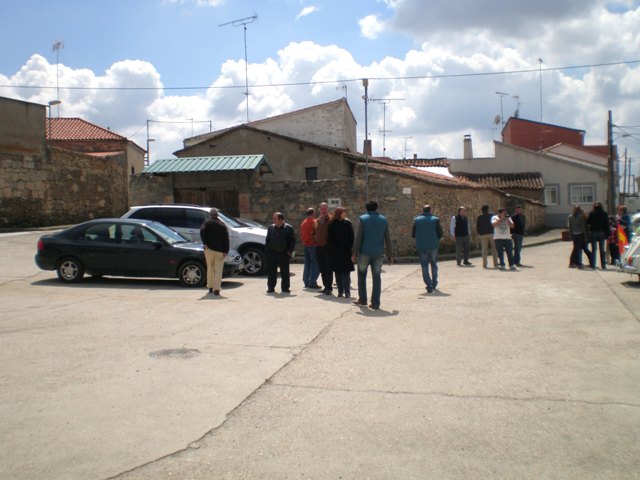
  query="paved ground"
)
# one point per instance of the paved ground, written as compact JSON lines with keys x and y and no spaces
{"x":529,"y":374}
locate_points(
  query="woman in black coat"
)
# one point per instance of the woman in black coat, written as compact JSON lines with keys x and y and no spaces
{"x":340,"y":241}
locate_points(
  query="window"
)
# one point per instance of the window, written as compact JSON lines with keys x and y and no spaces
{"x":311,"y":173}
{"x":581,"y":194}
{"x":551,"y":195}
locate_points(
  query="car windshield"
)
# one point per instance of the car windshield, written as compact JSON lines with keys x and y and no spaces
{"x":228,"y":220}
{"x":168,"y":235}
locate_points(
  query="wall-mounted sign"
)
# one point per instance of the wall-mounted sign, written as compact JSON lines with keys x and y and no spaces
{"x":406,"y":190}
{"x":334,"y":202}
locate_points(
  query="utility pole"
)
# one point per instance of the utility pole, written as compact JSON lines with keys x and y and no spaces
{"x":611,"y":187}
{"x":367,"y":145}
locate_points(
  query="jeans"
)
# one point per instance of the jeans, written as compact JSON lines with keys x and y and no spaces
{"x":375,"y":262}
{"x":597,"y":241}
{"x":463,"y":245}
{"x":429,"y":258}
{"x":487,"y":241}
{"x":579,"y":246}
{"x":517,"y":247}
{"x":343,"y":280}
{"x":323,"y":256}
{"x":502,"y":245}
{"x":310,"y":272}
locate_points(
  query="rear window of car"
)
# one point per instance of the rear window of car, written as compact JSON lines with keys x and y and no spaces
{"x":195,"y":218}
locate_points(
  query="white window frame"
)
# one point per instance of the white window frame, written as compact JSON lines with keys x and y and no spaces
{"x":582,"y":198}
{"x":547,"y":191}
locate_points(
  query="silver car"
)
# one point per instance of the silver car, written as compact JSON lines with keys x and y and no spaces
{"x":186,"y":220}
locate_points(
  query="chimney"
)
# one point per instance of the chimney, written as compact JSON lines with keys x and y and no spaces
{"x":415,"y":156}
{"x":467,"y":148}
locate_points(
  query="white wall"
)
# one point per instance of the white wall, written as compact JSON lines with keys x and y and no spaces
{"x":555,"y":172}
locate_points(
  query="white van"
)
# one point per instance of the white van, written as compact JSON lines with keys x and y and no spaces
{"x":187,"y":219}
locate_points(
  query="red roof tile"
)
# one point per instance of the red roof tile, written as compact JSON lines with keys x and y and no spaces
{"x":78,"y":129}
{"x":505,"y":181}
{"x":424,"y":162}
{"x":429,"y":177}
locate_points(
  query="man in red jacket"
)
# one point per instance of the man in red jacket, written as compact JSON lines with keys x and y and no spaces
{"x":310,"y":272}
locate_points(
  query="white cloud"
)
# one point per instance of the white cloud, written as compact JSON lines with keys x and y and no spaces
{"x":436,"y":112}
{"x":371,"y":26}
{"x":306,"y":11}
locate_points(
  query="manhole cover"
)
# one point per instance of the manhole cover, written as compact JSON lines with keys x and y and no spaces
{"x":175,"y":353}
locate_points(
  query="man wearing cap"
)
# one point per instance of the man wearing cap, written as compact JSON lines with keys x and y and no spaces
{"x":215,"y":238}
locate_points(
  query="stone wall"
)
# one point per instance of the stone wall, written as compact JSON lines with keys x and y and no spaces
{"x":60,"y":187}
{"x":400,"y":198}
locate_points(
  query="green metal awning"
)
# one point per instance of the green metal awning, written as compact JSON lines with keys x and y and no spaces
{"x":209,"y":164}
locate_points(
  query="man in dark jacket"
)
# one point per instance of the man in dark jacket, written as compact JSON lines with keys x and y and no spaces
{"x":215,"y":238}
{"x":279,"y":245}
{"x":427,"y":231}
{"x":598,"y":228}
{"x":460,"y":230}
{"x":485,"y":232}
{"x":517,"y":234}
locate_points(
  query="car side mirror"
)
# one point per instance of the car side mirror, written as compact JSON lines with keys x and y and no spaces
{"x":157,"y":245}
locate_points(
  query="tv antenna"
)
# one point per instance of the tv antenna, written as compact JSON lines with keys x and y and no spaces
{"x":244,"y":22}
{"x":384,"y":131}
{"x":59,"y":44}
{"x":343,"y":87}
{"x":501,"y":94}
{"x":406,"y":139}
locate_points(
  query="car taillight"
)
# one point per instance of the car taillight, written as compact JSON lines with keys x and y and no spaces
{"x":40,"y":245}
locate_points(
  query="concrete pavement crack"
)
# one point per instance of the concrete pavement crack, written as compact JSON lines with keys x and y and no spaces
{"x":267,"y":381}
{"x":458,"y":396}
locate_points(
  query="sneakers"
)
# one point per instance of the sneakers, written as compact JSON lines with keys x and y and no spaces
{"x":466,"y":264}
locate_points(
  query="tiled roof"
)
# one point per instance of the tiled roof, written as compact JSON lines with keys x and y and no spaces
{"x":505,"y":181}
{"x":428,"y":177}
{"x":424,"y":162}
{"x":78,"y":129}
{"x":206,"y":164}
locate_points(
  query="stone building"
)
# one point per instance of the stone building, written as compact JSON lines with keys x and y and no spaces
{"x":79,"y":135}
{"x":43,"y":185}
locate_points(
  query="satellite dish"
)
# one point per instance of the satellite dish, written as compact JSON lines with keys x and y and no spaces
{"x":497,"y":119}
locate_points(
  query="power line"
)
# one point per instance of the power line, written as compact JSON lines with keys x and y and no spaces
{"x":324,"y":82}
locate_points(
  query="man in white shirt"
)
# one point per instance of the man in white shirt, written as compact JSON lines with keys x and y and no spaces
{"x":502,"y":225}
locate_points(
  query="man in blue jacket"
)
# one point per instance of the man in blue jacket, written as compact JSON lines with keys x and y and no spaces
{"x":368,"y":250}
{"x":427,"y":231}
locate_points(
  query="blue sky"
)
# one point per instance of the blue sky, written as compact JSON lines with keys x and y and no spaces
{"x":177,"y":43}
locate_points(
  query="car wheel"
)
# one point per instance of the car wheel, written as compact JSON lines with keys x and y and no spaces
{"x":70,"y":270}
{"x":191,"y":274}
{"x":254,"y":261}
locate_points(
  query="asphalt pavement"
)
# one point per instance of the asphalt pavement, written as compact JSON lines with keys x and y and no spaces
{"x":532,"y":374}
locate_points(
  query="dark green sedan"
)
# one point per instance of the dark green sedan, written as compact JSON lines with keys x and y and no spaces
{"x":126,"y":248}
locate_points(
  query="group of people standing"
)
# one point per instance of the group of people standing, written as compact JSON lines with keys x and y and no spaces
{"x":332,"y":249}
{"x":597,"y":229}
{"x":500,"y":232}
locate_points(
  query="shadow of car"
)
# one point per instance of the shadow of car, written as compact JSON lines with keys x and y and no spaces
{"x":126,"y":248}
